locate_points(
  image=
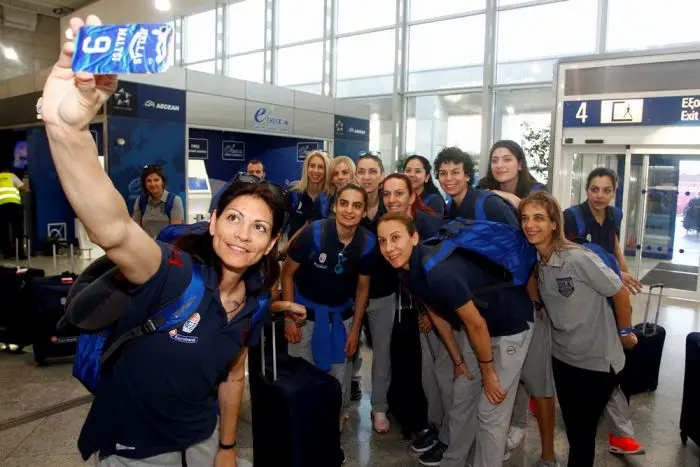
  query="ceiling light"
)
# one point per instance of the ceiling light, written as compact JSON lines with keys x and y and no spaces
{"x":163,"y":5}
{"x":454,"y":98}
{"x":10,"y":53}
{"x":535,"y":69}
{"x":510,"y":110}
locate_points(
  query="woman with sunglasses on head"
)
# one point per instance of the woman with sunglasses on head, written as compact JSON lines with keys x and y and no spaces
{"x":418,"y":169}
{"x":342,"y":172}
{"x":169,"y":398}
{"x":508,"y":174}
{"x":156,"y":207}
{"x":314,"y":183}
{"x":327,"y":270}
{"x":587,"y":337}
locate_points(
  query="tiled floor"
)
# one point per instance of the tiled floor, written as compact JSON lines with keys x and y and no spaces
{"x":51,"y":441}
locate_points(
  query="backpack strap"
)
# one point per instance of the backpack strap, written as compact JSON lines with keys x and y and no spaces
{"x":168,"y":316}
{"x":143,"y":199}
{"x":325,"y":204}
{"x":580,"y":221}
{"x":479,"y":211}
{"x":369,"y":242}
{"x":617,"y":217}
{"x":169,"y":204}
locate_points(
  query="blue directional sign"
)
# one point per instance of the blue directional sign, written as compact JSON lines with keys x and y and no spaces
{"x":650,"y":111}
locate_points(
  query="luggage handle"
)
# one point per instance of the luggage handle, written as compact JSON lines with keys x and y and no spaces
{"x":659,"y":286}
{"x":274,"y":350}
{"x":29,"y":252}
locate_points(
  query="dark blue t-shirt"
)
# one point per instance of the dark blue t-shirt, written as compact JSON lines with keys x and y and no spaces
{"x":496,"y":209}
{"x":605,"y":235}
{"x":160,"y":393}
{"x":316,"y":278}
{"x":434,"y":201}
{"x":454,"y":282}
{"x":300,"y":210}
{"x":318,"y":210}
{"x":384,"y":281}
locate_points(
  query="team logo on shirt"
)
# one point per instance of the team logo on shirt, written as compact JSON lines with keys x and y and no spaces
{"x":322,"y":258}
{"x":565,"y":286}
{"x":180,"y":338}
{"x":191,"y":323}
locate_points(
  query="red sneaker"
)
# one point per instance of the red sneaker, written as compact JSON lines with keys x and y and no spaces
{"x":532,"y":407}
{"x":624,"y":445}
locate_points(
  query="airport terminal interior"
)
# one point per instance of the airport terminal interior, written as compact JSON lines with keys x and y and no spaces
{"x":579,"y":84}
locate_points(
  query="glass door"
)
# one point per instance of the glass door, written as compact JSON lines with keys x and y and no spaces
{"x":663,"y":222}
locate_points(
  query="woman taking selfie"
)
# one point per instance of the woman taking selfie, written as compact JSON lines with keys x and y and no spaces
{"x":173,"y":397}
{"x":574,"y":286}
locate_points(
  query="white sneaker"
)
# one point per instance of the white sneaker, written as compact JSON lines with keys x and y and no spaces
{"x":506,"y":456}
{"x":515,"y":437}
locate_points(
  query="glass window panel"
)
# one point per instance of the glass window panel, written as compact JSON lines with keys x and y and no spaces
{"x":302,"y":64}
{"x":435,"y":122}
{"x":200,"y":35}
{"x":357,"y":15}
{"x":423,"y":9}
{"x":553,"y":30}
{"x":433,"y":65}
{"x":300,"y":20}
{"x":249,"y":67}
{"x":381,"y":127}
{"x":314,"y":88}
{"x":245,"y":24}
{"x":642,"y":24}
{"x":360,"y":73}
{"x":204,"y":67}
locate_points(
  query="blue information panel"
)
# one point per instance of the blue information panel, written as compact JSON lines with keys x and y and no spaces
{"x":650,"y":111}
{"x":304,"y":148}
{"x":232,"y":150}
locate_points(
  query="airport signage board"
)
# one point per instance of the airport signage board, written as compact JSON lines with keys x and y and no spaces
{"x":649,"y":111}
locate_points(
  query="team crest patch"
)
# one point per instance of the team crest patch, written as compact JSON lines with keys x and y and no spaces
{"x":191,"y":323}
{"x":322,"y":258}
{"x":565,"y":286}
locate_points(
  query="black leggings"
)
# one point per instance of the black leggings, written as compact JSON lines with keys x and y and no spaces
{"x":582,"y":396}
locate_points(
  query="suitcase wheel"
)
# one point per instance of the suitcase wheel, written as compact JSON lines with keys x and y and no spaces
{"x":684,"y":438}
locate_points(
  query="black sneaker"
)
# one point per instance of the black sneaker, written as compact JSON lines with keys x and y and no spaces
{"x":425,"y":440}
{"x":433,"y":457}
{"x":355,"y":391}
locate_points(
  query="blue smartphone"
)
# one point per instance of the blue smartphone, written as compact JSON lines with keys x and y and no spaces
{"x":123,"y":48}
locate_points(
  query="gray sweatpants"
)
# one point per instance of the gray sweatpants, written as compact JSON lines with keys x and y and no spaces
{"x":472,"y":417}
{"x":199,"y":455}
{"x":380,"y":312}
{"x":437,"y":382}
{"x":618,"y":415}
{"x":340,"y":371}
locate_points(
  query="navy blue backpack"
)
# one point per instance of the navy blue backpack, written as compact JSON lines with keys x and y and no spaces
{"x":170,"y":200}
{"x":369,"y":241}
{"x":499,"y":243}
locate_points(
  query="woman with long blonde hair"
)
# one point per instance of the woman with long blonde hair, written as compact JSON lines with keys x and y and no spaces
{"x":315,"y":179}
{"x":342,"y":173}
{"x":574,"y":285}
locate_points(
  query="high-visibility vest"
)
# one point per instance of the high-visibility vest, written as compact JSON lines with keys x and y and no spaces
{"x":8,"y":192}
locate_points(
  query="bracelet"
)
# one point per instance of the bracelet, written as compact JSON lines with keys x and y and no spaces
{"x":227,"y":446}
{"x":460,"y":362}
{"x":485,"y":363}
{"x":625,"y":332}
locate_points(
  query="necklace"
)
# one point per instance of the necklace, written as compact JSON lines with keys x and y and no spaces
{"x":235,"y":305}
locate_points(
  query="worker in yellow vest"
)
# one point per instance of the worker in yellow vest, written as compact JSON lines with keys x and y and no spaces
{"x":11,"y":214}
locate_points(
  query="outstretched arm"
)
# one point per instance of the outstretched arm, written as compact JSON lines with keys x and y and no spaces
{"x":69,"y":102}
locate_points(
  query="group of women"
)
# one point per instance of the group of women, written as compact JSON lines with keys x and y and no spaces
{"x":174,"y":398}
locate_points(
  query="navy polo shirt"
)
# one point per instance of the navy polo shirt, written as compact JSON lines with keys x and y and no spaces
{"x":453,"y":282}
{"x":316,"y":278}
{"x":427,"y":225}
{"x":384,"y":281}
{"x":160,"y":394}
{"x":300,"y":209}
{"x":496,"y":209}
{"x":434,"y":201}
{"x":605,"y":235}
{"x":318,"y":211}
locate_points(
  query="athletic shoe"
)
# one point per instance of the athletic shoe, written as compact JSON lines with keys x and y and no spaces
{"x":355,"y":391}
{"x":433,"y":457}
{"x":624,"y":445}
{"x":425,"y":440}
{"x":515,"y":437}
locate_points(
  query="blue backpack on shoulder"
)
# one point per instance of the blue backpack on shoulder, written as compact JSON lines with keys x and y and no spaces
{"x":582,"y":229}
{"x":170,"y":200}
{"x":499,"y":243}
{"x":369,"y":241}
{"x":479,"y":210}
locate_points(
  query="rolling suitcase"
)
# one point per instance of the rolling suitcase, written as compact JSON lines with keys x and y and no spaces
{"x":15,"y":313}
{"x":641,"y":372}
{"x":690,"y":410}
{"x":407,"y":402}
{"x":296,"y":410}
{"x":48,"y":307}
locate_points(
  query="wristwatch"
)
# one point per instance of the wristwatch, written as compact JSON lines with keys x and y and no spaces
{"x":227,"y":446}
